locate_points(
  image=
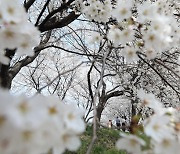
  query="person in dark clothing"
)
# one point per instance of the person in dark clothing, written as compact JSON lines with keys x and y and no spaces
{"x":118,"y":123}
{"x":124,"y":123}
{"x":123,"y":126}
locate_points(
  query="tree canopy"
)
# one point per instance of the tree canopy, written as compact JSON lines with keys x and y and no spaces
{"x":94,"y":53}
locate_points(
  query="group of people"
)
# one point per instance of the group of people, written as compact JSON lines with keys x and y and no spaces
{"x":120,"y":124}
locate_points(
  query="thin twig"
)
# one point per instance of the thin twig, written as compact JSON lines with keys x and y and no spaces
{"x":59,"y":74}
{"x":159,"y":62}
{"x":178,"y":93}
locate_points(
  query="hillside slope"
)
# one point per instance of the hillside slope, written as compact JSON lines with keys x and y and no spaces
{"x":105,"y":144}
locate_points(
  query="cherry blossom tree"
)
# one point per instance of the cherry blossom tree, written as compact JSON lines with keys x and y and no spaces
{"x":136,"y":40}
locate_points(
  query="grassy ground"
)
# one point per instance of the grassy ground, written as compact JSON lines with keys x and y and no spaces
{"x":105,"y":144}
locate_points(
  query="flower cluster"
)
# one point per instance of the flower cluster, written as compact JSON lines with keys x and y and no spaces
{"x":148,"y":28}
{"x":16,"y":33}
{"x":161,"y":127}
{"x":32,"y":125}
{"x":96,"y":10}
{"x":35,"y":125}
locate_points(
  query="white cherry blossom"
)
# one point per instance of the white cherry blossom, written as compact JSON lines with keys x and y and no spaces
{"x":11,"y":11}
{"x":69,"y":141}
{"x":130,"y":143}
{"x":95,"y":38}
{"x":130,"y":54}
{"x":158,"y":127}
{"x":167,"y":146}
{"x":146,"y":11}
{"x":114,"y":35}
{"x":122,"y":10}
{"x":149,"y":100}
{"x":151,"y":38}
{"x":66,"y":141}
{"x":118,"y":36}
{"x":72,"y":118}
{"x":150,"y":53}
{"x":34,"y":125}
{"x":3,"y":59}
{"x":10,"y":38}
{"x":127,"y":35}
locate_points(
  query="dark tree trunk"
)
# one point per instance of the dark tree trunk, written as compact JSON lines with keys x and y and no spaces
{"x":133,"y":113}
{"x":100,"y":109}
{"x":5,"y":81}
{"x":5,"y":76}
{"x":134,"y":103}
{"x":103,"y":100}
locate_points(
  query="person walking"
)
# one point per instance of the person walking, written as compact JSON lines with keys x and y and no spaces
{"x":118,"y":123}
{"x":123,"y":123}
{"x":110,"y":124}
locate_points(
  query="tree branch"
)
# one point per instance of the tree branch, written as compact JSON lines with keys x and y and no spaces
{"x":60,"y":9}
{"x":42,"y":11}
{"x":28,"y":4}
{"x":51,"y":24}
{"x":159,"y":74}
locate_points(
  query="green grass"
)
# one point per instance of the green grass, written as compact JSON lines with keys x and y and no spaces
{"x":105,"y":144}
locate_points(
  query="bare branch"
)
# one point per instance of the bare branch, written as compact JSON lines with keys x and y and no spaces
{"x":42,"y":11}
{"x":28,"y":4}
{"x":53,"y":24}
{"x":60,"y":75}
{"x":178,"y":93}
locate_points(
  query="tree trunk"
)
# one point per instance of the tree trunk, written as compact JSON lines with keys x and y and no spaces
{"x":5,"y":81}
{"x":5,"y":76}
{"x":100,"y":108}
{"x":133,"y":111}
